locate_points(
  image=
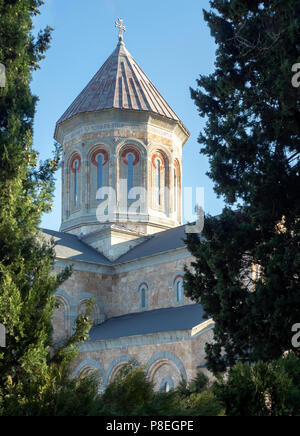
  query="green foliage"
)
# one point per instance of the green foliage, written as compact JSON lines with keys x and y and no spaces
{"x":196,"y":398}
{"x":56,"y":395}
{"x":197,"y":385}
{"x":128,"y":393}
{"x":132,"y":394}
{"x":201,"y":404}
{"x":30,"y":369}
{"x":265,"y":389}
{"x":252,"y":140}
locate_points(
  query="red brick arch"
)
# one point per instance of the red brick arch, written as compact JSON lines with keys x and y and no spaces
{"x":134,"y":152}
{"x":74,"y":158}
{"x":160,"y":157}
{"x":96,"y":153}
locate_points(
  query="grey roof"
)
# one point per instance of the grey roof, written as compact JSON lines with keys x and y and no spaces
{"x":120,"y":83}
{"x":157,"y":243}
{"x":149,"y":322}
{"x":70,"y":247}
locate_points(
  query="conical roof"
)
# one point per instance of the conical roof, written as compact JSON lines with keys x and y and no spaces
{"x":120,"y":83}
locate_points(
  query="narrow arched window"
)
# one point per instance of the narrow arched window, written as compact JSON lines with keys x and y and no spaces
{"x":166,"y":387}
{"x":99,"y":175}
{"x":100,"y":159}
{"x":179,"y":295}
{"x":143,"y":297}
{"x":130,"y":159}
{"x":76,"y":190}
{"x":166,"y":384}
{"x":130,"y":169}
{"x":158,"y":167}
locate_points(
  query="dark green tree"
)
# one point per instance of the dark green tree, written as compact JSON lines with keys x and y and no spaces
{"x":29,"y":367}
{"x":252,"y":140}
{"x":263,"y":389}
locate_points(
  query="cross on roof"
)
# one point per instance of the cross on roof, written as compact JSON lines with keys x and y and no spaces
{"x":119,"y":25}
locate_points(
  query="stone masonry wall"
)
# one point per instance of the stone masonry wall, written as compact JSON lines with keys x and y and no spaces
{"x":160,"y":282}
{"x":159,"y":360}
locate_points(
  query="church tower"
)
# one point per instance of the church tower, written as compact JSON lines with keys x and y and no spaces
{"x":122,"y":158}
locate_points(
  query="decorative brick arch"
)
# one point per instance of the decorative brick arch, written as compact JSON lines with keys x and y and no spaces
{"x":75,"y":157}
{"x":131,"y":143}
{"x":141,"y":283}
{"x":93,"y":365}
{"x":83,"y":297}
{"x":96,"y":153}
{"x":163,"y":159}
{"x":175,"y":276}
{"x":66,"y":300}
{"x":172,"y":284}
{"x":133,"y":151}
{"x":165,"y":152}
{"x":161,"y":358}
{"x":116,"y":365}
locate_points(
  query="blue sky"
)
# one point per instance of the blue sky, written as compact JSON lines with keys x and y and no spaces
{"x":170,"y":41}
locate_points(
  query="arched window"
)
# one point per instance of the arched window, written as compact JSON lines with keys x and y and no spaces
{"x":179,"y":294}
{"x":166,"y":384}
{"x":100,"y":179}
{"x":76,"y":199}
{"x":166,"y":387}
{"x":143,"y":297}
{"x":130,"y":159}
{"x":160,"y":181}
{"x":100,"y":171}
{"x":75,"y":168}
{"x":89,"y":371}
{"x":158,"y":169}
{"x":130,"y":167}
{"x":61,"y":319}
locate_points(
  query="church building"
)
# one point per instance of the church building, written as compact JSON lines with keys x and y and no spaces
{"x":122,"y":229}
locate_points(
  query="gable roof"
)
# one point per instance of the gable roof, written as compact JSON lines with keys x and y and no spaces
{"x":157,"y":243}
{"x":149,"y":322}
{"x":120,"y":83}
{"x":70,"y":247}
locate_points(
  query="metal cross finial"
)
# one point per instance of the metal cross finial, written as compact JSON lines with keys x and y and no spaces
{"x":119,"y":25}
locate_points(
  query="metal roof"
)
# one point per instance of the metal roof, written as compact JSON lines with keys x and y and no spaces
{"x":149,"y":322}
{"x":70,"y":247}
{"x":157,"y":243}
{"x":120,"y":83}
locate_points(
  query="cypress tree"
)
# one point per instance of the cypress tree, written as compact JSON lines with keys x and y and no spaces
{"x":252,"y":140}
{"x":29,"y":366}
